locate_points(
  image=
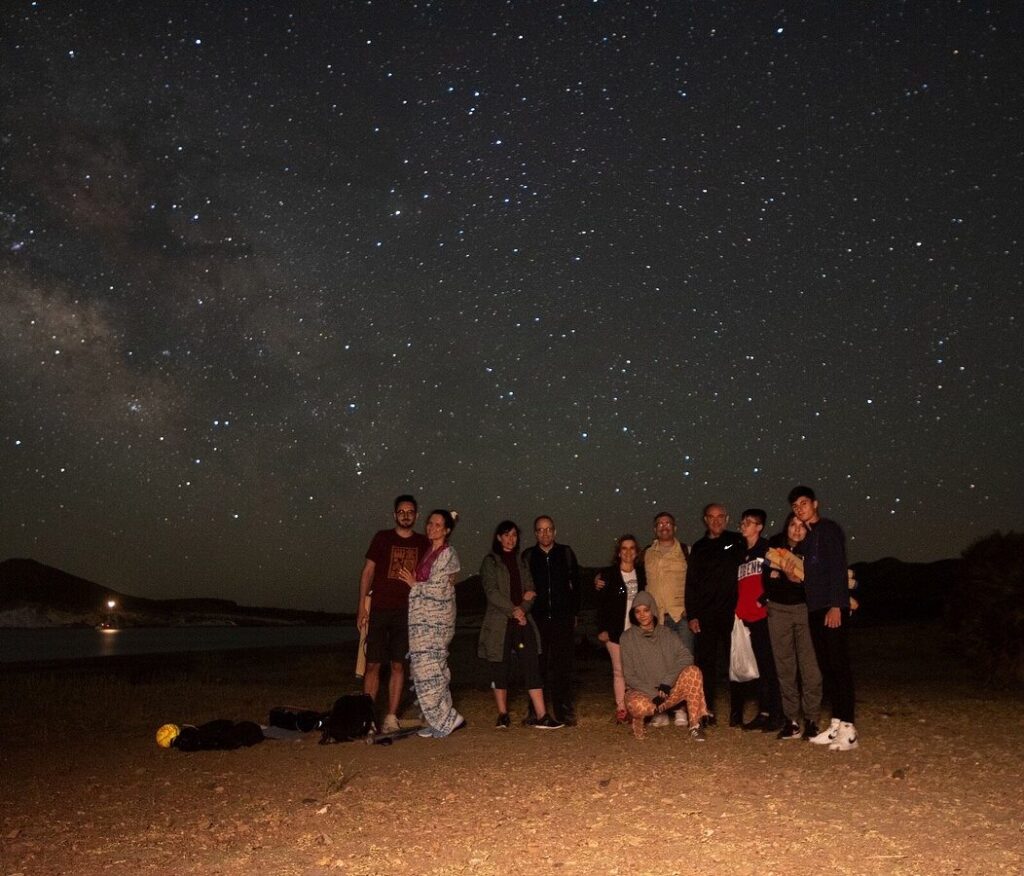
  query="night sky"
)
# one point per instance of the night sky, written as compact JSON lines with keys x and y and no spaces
{"x":263,"y":266}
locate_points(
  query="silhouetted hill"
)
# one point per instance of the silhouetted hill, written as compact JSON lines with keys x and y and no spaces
{"x":36,"y":595}
{"x":890,"y":589}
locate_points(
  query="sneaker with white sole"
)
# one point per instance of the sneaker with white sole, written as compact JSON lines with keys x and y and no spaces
{"x":790,"y":730}
{"x":829,"y":735}
{"x":847,"y":738}
{"x":660,"y":720}
{"x":390,"y":724}
{"x":682,"y":719}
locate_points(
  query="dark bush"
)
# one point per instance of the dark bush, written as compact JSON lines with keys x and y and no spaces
{"x":986,"y":607}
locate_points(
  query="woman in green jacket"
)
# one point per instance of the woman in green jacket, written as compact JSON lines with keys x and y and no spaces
{"x":508,"y":632}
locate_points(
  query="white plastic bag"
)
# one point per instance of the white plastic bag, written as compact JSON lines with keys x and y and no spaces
{"x":742,"y":663}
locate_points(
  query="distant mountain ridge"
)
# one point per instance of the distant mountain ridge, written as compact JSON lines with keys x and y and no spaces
{"x":36,"y":595}
{"x":33,"y":594}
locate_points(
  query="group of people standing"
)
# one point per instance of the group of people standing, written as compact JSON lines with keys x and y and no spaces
{"x":407,"y":607}
{"x":666,"y":615}
{"x":796,"y":611}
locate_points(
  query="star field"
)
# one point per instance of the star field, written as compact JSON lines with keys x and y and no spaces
{"x":263,"y":267}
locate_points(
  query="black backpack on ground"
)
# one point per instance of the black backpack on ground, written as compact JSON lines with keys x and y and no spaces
{"x":295,"y":718}
{"x":219,"y":735}
{"x":350,"y":718}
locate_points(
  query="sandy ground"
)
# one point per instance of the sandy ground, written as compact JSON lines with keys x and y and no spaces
{"x":936,"y":786}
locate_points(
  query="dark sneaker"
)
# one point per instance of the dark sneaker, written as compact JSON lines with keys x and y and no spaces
{"x":547,"y":723}
{"x":759,"y":722}
{"x":709,"y":720}
{"x":773,"y":725}
{"x":503,"y":722}
{"x":790,"y":730}
{"x":810,"y":730}
{"x":697,"y":734}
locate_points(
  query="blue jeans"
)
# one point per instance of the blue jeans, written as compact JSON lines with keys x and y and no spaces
{"x":681,"y":629}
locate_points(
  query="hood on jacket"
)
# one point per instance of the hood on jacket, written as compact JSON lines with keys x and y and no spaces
{"x":644,"y":598}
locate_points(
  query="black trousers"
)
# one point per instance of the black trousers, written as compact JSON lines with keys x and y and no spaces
{"x":766,"y":687}
{"x":832,"y":650}
{"x":711,"y":653}
{"x":558,"y":640}
{"x":520,"y":649}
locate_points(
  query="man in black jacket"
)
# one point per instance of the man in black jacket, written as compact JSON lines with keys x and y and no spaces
{"x":556,"y":578}
{"x":711,"y":596}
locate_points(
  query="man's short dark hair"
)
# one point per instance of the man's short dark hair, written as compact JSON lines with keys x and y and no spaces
{"x":759,"y":514}
{"x":541,"y":517}
{"x":665,"y":514}
{"x":799,"y":492}
{"x":405,"y":497}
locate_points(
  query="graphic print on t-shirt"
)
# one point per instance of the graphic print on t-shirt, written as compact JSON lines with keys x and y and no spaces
{"x":401,"y":558}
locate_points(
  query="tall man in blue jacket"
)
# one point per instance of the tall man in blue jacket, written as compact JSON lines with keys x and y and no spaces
{"x":828,"y":614}
{"x":556,"y":578}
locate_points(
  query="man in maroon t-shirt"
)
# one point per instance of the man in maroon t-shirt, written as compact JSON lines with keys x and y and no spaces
{"x":387,"y":619}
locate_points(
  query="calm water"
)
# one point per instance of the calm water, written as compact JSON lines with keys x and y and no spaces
{"x":21,"y":645}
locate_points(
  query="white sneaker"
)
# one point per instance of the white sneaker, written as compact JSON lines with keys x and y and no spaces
{"x":390,"y":724}
{"x":847,"y":738}
{"x":827,"y":737}
{"x":682,"y":719}
{"x":659,"y":720}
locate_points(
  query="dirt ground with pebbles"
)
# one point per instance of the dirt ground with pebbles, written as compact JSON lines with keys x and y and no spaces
{"x":935,"y":787}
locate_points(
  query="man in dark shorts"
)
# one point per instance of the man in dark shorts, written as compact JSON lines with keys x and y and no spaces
{"x":387,"y":618}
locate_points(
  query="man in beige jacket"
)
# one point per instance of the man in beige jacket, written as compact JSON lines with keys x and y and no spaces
{"x":665,"y":565}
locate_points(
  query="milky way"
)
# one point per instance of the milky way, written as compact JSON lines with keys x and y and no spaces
{"x":263,"y":269}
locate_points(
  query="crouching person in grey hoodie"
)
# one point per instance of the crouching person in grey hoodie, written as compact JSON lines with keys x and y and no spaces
{"x":658,"y":669}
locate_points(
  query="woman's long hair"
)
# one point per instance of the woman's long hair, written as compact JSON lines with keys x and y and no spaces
{"x":781,"y":539}
{"x":618,"y":546}
{"x":501,"y":529}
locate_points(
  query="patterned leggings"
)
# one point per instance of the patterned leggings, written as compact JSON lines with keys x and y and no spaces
{"x":689,"y":687}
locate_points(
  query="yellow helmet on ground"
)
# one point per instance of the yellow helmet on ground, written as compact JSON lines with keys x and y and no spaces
{"x":166,"y":735}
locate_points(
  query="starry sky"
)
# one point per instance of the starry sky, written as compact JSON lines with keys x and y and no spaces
{"x":263,"y":266}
